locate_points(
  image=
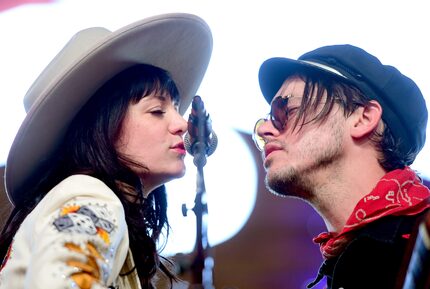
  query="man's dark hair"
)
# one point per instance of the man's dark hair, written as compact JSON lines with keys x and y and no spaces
{"x":349,"y":98}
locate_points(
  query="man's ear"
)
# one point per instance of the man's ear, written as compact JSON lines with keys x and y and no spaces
{"x":365,"y":119}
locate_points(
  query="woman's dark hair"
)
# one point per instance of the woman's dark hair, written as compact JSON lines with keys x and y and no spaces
{"x":89,"y":148}
{"x":350,"y":98}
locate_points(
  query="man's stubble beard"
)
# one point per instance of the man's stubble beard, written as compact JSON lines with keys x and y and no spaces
{"x":301,"y":182}
{"x":289,"y":183}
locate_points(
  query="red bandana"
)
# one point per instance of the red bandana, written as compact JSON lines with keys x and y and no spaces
{"x":400,"y":192}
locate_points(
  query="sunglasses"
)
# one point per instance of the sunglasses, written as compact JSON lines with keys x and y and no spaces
{"x":278,"y":116}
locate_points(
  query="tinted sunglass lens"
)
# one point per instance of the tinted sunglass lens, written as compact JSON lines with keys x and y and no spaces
{"x":258,"y":140}
{"x":279,"y":112}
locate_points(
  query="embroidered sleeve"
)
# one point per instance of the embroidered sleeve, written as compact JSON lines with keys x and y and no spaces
{"x":76,"y":245}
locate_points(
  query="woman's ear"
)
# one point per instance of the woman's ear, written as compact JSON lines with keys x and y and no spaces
{"x":366,"y":119}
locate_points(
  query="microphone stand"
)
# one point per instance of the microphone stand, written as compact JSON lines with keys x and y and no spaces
{"x":202,"y":265}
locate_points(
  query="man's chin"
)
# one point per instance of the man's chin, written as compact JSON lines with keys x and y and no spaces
{"x":281,"y":183}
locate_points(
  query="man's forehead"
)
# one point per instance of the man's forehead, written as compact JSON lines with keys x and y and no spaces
{"x":292,"y":88}
{"x":292,"y":85}
{"x":295,"y":86}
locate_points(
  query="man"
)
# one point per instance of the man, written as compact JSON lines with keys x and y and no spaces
{"x":342,"y":131}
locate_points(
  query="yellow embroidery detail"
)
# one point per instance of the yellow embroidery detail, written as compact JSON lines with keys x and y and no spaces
{"x":89,"y":272}
{"x":69,"y":209}
{"x":93,"y":251}
{"x":73,"y":247}
{"x":104,"y":235}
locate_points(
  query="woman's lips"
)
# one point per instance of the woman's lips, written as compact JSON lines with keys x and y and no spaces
{"x":180,"y":148}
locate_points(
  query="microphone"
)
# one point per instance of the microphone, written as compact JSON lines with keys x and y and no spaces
{"x":200,"y":140}
{"x":418,"y":273}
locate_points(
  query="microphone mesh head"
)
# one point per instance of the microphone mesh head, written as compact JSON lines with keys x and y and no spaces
{"x":213,"y":143}
{"x":187,"y":143}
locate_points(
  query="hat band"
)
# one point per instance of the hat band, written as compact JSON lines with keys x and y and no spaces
{"x":325,"y":67}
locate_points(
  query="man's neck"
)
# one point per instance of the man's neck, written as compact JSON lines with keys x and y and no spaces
{"x":340,"y":189}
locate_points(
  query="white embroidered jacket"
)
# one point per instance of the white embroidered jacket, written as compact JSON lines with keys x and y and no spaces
{"x":76,"y":237}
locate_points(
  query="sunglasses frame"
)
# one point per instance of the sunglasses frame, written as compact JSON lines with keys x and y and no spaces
{"x":278,"y":117}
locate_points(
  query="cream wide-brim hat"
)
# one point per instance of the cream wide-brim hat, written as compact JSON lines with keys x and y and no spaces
{"x":178,"y":43}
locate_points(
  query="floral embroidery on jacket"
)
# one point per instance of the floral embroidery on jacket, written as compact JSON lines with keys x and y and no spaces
{"x":89,"y":271}
{"x":92,"y":221}
{"x":75,"y":238}
{"x":81,"y":219}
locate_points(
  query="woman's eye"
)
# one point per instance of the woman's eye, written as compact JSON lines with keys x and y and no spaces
{"x":158,"y":112}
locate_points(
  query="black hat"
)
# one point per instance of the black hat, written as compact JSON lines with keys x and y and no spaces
{"x":404,"y":107}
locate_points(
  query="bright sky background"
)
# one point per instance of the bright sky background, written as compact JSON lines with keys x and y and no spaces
{"x":245,"y":34}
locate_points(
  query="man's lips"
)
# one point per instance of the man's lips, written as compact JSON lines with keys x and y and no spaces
{"x":270,"y":148}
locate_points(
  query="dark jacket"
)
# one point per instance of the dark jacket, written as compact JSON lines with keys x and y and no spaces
{"x":376,"y":258}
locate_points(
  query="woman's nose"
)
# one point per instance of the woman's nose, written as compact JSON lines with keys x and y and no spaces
{"x":179,"y":125}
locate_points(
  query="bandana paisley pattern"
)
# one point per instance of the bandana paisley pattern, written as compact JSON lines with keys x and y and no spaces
{"x":399,"y":192}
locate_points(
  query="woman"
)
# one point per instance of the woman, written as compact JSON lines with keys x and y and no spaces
{"x":102,"y":135}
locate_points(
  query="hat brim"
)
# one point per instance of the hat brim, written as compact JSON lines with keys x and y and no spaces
{"x":274,"y":71}
{"x":179,"y":43}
